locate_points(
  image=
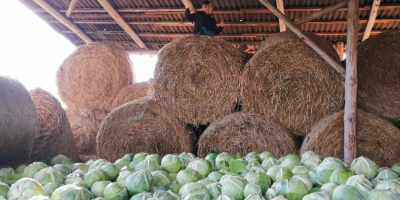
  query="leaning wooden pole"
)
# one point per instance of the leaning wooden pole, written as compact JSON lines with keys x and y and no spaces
{"x":321,"y":13}
{"x":337,"y":66}
{"x":350,"y":139}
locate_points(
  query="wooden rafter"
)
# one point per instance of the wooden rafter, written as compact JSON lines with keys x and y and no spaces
{"x":218,"y":11}
{"x":350,"y":139}
{"x":372,"y":17}
{"x":321,"y":13}
{"x":63,"y":20}
{"x":337,"y":66}
{"x":111,"y":11}
{"x":280,"y":6}
{"x":71,"y":7}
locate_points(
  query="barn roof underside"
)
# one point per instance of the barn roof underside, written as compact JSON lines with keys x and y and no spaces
{"x":158,"y":22}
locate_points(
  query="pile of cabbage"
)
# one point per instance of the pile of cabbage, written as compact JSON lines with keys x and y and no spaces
{"x":218,"y":176}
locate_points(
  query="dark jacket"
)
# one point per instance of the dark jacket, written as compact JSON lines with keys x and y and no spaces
{"x":201,"y":19}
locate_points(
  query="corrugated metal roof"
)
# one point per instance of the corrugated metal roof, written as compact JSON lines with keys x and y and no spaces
{"x":90,"y":17}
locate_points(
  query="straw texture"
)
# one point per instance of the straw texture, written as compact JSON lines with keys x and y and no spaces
{"x":92,"y":76}
{"x":377,"y":139}
{"x":289,"y":81}
{"x":246,"y":132}
{"x":197,"y":78}
{"x":378,"y":75}
{"x":130,"y":93}
{"x":54,"y":133}
{"x":141,"y":126}
{"x":18,"y":122}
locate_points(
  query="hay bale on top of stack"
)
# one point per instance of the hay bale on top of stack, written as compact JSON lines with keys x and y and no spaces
{"x":88,"y":81}
{"x":54,"y":132}
{"x":85,"y":125}
{"x":130,"y":93}
{"x":197,"y":79}
{"x":141,"y":126}
{"x":289,"y":81}
{"x":378,"y":75}
{"x":18,"y":122}
{"x":246,"y":132}
{"x":377,"y":139}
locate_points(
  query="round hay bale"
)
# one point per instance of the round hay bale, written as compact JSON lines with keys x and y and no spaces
{"x":246,"y":132}
{"x":377,"y":139}
{"x":197,"y":78}
{"x":18,"y":122}
{"x":289,"y":81}
{"x":378,"y":75}
{"x":54,"y":135}
{"x":93,"y":75}
{"x":130,"y":93}
{"x":85,"y":125}
{"x":141,"y":126}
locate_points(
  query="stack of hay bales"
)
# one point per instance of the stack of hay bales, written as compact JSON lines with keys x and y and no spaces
{"x":88,"y":81}
{"x":246,"y":132}
{"x":377,"y":138}
{"x":378,"y":75}
{"x":18,"y":122}
{"x":54,"y":132}
{"x":197,"y":79}
{"x":141,"y":126}
{"x":291,"y":83}
{"x":130,"y":93}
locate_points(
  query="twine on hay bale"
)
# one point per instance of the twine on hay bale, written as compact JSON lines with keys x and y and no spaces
{"x":289,"y":81}
{"x":130,"y":93}
{"x":141,"y":126}
{"x":85,"y":125}
{"x":246,"y":132}
{"x":93,"y":75}
{"x":54,"y":132}
{"x":197,"y":78}
{"x":377,"y":139}
{"x":378,"y":75}
{"x":18,"y":122}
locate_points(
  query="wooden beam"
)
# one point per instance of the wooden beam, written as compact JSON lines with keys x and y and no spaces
{"x":372,"y":17}
{"x":321,"y":13}
{"x":111,"y":11}
{"x":63,"y":20}
{"x":71,"y":7}
{"x":150,"y":52}
{"x":101,"y":15}
{"x":350,"y":138}
{"x":218,"y":11}
{"x":337,"y":66}
{"x":280,"y":6}
{"x":340,"y":49}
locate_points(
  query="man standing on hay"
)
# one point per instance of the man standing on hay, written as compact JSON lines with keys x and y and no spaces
{"x":204,"y":23}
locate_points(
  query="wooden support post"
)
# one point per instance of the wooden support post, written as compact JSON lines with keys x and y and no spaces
{"x":321,"y":13}
{"x":372,"y":17}
{"x":71,"y":7}
{"x":63,"y":20}
{"x":337,"y":66}
{"x":107,"y":6}
{"x":350,"y":139}
{"x":280,"y":6}
{"x":340,"y":49}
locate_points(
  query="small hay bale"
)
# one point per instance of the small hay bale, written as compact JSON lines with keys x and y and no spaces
{"x":377,"y":139}
{"x":130,"y":93}
{"x":85,"y":125}
{"x":93,"y":75}
{"x":289,"y":81}
{"x":141,"y":126}
{"x":246,"y":132}
{"x":54,"y":135}
{"x":197,"y":78}
{"x":18,"y":122}
{"x":378,"y":75}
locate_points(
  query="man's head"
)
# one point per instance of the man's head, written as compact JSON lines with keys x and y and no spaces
{"x":207,"y":7}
